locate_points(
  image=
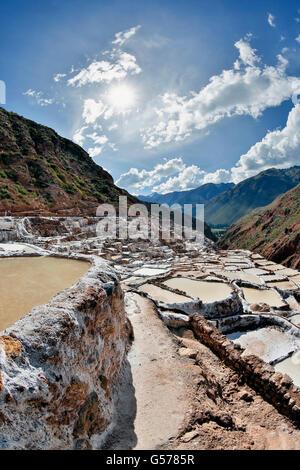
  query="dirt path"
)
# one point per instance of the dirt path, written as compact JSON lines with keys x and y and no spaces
{"x":153,"y":399}
{"x":170,"y":401}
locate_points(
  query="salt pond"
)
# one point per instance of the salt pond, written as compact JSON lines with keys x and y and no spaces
{"x":204,"y":290}
{"x":289,"y":366}
{"x":30,"y":281}
{"x":268,"y":343}
{"x":241,"y":275}
{"x":295,"y":319}
{"x":163,"y":295}
{"x":262,"y":296}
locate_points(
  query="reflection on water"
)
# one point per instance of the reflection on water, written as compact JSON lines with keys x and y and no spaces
{"x":30,"y":281}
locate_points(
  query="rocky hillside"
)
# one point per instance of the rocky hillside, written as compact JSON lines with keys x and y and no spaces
{"x":41,"y":172}
{"x":194,"y":196}
{"x":273,"y":231}
{"x":258,"y":191}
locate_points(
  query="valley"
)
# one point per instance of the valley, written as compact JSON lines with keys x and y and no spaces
{"x":209,"y":360}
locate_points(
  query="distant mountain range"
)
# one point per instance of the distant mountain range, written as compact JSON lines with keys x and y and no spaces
{"x":194,"y":196}
{"x":273,"y":231}
{"x":257,"y":191}
{"x":226,"y":203}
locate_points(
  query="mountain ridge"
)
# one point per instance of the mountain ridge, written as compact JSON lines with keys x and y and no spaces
{"x":251,"y":193}
{"x":198,"y":195}
{"x":42,"y":172}
{"x":272,"y":231}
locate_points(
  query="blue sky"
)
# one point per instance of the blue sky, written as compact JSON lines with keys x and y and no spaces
{"x":166,"y":95}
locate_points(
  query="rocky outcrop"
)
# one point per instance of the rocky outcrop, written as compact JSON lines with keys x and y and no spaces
{"x":274,"y":387}
{"x":59,"y":366}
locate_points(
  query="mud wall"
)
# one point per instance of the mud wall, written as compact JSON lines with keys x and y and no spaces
{"x":59,"y":367}
{"x":275,"y":387}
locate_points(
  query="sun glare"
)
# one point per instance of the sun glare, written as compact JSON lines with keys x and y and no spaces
{"x":122,"y":97}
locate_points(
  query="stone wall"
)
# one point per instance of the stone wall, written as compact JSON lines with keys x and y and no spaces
{"x":59,"y":366}
{"x":275,"y":387}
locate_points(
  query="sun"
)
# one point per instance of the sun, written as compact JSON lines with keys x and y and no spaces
{"x":122,"y":97}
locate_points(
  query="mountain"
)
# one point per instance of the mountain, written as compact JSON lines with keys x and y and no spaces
{"x":258,"y":191}
{"x":194,"y":196}
{"x":41,"y":172}
{"x":273,"y":231}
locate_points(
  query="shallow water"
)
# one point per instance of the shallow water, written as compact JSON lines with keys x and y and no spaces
{"x":287,"y":366}
{"x":264,"y":296}
{"x":204,"y":290}
{"x":283,"y":285}
{"x":235,"y":275}
{"x":30,"y":281}
{"x":163,"y":295}
{"x":295,"y":319}
{"x":267,"y":343}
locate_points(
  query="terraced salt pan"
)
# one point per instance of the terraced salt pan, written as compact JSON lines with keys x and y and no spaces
{"x":276,"y":267}
{"x":17,"y":247}
{"x":240,"y":275}
{"x":283,"y":285}
{"x":264,"y":262}
{"x":205,"y":291}
{"x":149,"y":272}
{"x":288,"y":366}
{"x":163,"y":295}
{"x":262,"y":296}
{"x":288,"y":272}
{"x":267,"y":343}
{"x":295,"y":319}
{"x":296,"y":279}
{"x":31,"y":281}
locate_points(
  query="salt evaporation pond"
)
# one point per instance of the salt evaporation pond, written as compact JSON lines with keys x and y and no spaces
{"x":262,"y":296}
{"x":204,"y":290}
{"x":241,"y":275}
{"x":163,"y":295}
{"x":268,"y":343}
{"x":288,"y":366}
{"x":295,"y":319}
{"x":30,"y":281}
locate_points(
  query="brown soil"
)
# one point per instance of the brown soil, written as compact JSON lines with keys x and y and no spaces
{"x":227,"y":414}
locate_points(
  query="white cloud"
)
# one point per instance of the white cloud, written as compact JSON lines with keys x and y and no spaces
{"x":38,"y":95}
{"x":123,"y":36}
{"x":140,"y":179}
{"x":78,"y":136}
{"x":94,"y":151}
{"x":171,"y":175}
{"x":98,"y":139}
{"x":298,"y":38}
{"x":247,"y":89}
{"x":59,"y":76}
{"x":279,"y":149}
{"x":271,"y":20}
{"x":121,"y":65}
{"x":92,"y":110}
